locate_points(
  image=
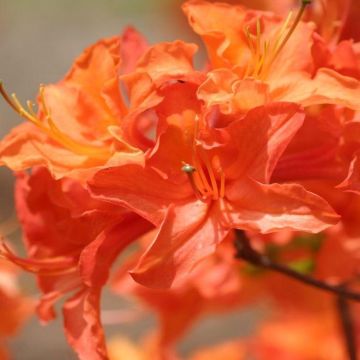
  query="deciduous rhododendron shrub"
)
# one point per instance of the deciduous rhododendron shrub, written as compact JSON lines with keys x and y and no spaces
{"x":216,"y":188}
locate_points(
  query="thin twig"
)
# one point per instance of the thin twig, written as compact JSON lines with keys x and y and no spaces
{"x":247,"y":253}
{"x":347,"y":324}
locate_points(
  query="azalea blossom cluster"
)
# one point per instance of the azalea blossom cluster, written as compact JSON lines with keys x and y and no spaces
{"x":138,"y":154}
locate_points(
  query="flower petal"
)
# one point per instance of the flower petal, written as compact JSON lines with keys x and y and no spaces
{"x":352,"y":181}
{"x":224,"y":88}
{"x":260,"y":138}
{"x":327,"y":87}
{"x":97,"y":258}
{"x":133,"y":46}
{"x":267,"y":208}
{"x":224,"y":39}
{"x":82,"y":325}
{"x":140,"y":189}
{"x":188,"y":234}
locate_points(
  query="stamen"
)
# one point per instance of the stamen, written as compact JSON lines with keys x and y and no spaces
{"x":52,"y":131}
{"x":44,"y":267}
{"x":215,"y":191}
{"x":281,"y":32}
{"x":202,"y":189}
{"x":304,"y":4}
{"x":222,"y":185}
{"x":248,"y":37}
{"x":261,"y":61}
{"x":27,"y":115}
{"x":190,"y":170}
{"x":218,"y":169}
{"x":258,"y":41}
{"x":201,"y":177}
{"x":263,"y":55}
{"x":7,"y":97}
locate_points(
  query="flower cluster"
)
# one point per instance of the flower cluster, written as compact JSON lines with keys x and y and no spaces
{"x":136,"y":149}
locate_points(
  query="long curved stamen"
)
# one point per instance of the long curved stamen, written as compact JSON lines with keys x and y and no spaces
{"x":218,"y":169}
{"x":282,"y":31}
{"x":200,"y":185}
{"x":200,"y":176}
{"x":7,"y":97}
{"x":264,"y":54}
{"x":44,"y":267}
{"x":51,"y":129}
{"x":210,"y":171}
{"x":222,"y":185}
{"x":203,"y":173}
{"x":304,"y":4}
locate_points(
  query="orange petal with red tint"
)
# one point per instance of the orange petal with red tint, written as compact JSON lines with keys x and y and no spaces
{"x":273,"y":207}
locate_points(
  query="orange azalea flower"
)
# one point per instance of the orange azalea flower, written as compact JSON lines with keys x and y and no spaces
{"x":71,"y":240}
{"x":79,"y":123}
{"x":194,"y":154}
{"x":257,"y":58}
{"x":223,"y":185}
{"x":78,"y":144}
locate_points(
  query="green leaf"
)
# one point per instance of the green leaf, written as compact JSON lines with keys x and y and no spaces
{"x":303,"y":266}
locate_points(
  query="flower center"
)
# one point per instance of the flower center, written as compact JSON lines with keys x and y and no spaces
{"x":205,"y":176}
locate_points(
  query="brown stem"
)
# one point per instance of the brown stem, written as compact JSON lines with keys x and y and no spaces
{"x":347,"y":325}
{"x":245,"y":252}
